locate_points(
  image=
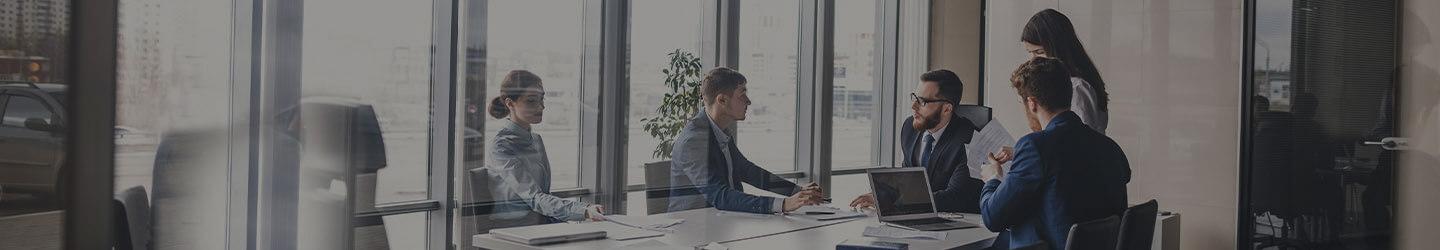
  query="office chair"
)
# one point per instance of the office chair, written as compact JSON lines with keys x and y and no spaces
{"x":978,"y":115}
{"x":1095,"y":234}
{"x":659,"y":191}
{"x":132,"y":219}
{"x":1137,"y":227}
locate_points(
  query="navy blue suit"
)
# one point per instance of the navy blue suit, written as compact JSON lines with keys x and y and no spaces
{"x":1065,"y":174}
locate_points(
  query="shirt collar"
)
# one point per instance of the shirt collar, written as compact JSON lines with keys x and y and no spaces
{"x":511,"y":125}
{"x":721,"y":135}
{"x":1062,"y":119}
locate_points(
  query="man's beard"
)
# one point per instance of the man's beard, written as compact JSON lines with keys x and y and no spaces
{"x":925,"y":122}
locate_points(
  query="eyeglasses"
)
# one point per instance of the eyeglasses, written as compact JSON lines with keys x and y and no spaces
{"x":922,"y":101}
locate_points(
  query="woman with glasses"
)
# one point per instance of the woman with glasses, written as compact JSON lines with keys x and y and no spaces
{"x":518,"y":165}
{"x":1049,"y":34}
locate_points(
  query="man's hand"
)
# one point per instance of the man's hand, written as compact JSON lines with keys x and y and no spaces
{"x":994,"y":169}
{"x":595,"y":213}
{"x":864,"y":201}
{"x":805,"y":197}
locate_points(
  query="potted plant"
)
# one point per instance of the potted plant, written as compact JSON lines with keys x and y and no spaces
{"x":682,"y":77}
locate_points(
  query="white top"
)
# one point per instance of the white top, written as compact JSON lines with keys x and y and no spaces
{"x":1086,"y":104}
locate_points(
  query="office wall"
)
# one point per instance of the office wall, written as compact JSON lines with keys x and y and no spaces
{"x":955,"y":36}
{"x":1420,"y":121}
{"x":1172,"y":68}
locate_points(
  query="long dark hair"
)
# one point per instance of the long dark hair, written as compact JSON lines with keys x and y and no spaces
{"x":1053,"y":31}
{"x":516,"y":84}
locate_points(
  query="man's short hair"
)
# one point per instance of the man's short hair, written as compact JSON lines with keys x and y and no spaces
{"x":720,"y":80}
{"x":1046,"y":80}
{"x":950,"y":86}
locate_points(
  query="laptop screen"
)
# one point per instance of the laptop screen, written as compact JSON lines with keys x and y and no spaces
{"x":901,"y":192}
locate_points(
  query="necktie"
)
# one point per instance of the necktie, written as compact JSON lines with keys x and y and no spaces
{"x":925,"y":154}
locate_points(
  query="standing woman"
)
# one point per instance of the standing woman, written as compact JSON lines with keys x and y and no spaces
{"x":518,"y":163}
{"x":1050,"y":34}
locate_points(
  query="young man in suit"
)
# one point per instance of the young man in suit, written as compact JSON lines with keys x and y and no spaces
{"x":1063,"y":173}
{"x":706,"y":154}
{"x":934,"y":137}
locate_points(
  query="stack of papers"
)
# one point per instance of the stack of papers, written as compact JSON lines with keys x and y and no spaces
{"x":901,"y":233}
{"x":615,"y":231}
{"x":990,"y":139}
{"x":821,"y":212}
{"x":651,"y":245}
{"x":644,"y":222}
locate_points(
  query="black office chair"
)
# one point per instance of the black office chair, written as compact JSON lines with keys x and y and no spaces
{"x":486,"y":206}
{"x":659,"y":191}
{"x":1137,"y":227}
{"x":978,"y":115}
{"x":1095,"y":234}
{"x":132,"y":219}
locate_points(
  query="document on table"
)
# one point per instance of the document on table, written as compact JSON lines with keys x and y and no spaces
{"x":822,"y":212}
{"x":644,"y":222}
{"x":990,"y":139}
{"x":901,"y":233}
{"x":651,"y":245}
{"x":616,"y":231}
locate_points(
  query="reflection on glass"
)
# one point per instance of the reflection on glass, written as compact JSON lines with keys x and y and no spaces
{"x":33,"y":57}
{"x":1318,"y":96}
{"x":854,"y":91}
{"x":769,"y":49}
{"x":521,"y":143}
{"x":658,"y":27}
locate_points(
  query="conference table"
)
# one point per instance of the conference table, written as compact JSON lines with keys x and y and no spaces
{"x":734,"y":230}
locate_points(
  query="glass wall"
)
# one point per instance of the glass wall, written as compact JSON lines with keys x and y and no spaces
{"x":1321,"y":169}
{"x":658,"y":29}
{"x":855,"y":102}
{"x":33,"y":84}
{"x":330,"y":123}
{"x":769,"y":59}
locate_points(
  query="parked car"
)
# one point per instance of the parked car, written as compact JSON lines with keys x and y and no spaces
{"x":32,"y":138}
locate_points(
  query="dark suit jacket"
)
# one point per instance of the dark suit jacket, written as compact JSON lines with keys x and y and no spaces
{"x":1065,"y":174}
{"x":950,"y":182}
{"x":696,"y":158}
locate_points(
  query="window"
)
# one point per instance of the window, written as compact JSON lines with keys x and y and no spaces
{"x":551,"y":49}
{"x":547,"y":40}
{"x":352,"y":58}
{"x":769,"y":59}
{"x":172,"y":116}
{"x":21,"y":108}
{"x":364,"y":103}
{"x":855,"y":111}
{"x":658,"y":27}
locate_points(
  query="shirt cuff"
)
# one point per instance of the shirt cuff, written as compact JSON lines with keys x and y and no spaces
{"x":777,"y":205}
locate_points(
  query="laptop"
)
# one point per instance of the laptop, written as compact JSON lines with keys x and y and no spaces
{"x":548,"y":233}
{"x":903,"y":198}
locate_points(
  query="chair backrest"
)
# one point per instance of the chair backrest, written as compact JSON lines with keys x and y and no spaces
{"x":132,"y":217}
{"x":1137,"y":227}
{"x":1095,"y":234}
{"x":659,"y":190}
{"x":978,"y":115}
{"x":486,"y":205}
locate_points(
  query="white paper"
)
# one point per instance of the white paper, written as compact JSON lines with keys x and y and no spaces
{"x":644,"y":222}
{"x":838,"y":213}
{"x":901,"y":233}
{"x":990,"y":139}
{"x":651,"y":245}
{"x":616,"y":231}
